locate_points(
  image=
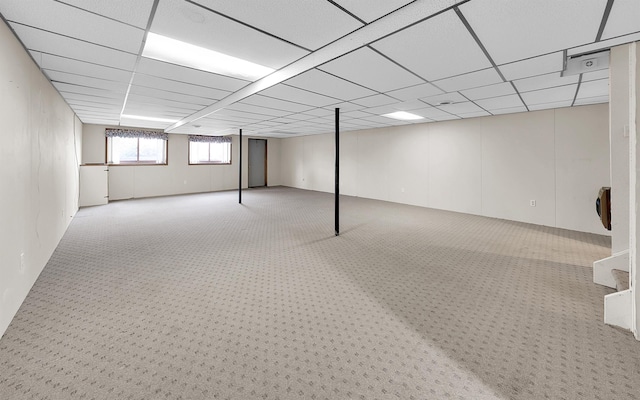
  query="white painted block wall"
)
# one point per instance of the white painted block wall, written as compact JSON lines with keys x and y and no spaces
{"x":39,"y":173}
{"x":127,"y":182}
{"x":491,"y":166}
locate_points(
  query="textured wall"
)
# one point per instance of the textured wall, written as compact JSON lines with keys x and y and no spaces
{"x":490,"y":166}
{"x":126,"y":182}
{"x":39,"y":158}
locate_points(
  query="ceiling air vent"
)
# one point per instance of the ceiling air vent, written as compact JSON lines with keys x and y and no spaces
{"x":582,"y":63}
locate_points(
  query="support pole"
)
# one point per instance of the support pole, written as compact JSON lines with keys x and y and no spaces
{"x":337,"y":172}
{"x":240,"y":171}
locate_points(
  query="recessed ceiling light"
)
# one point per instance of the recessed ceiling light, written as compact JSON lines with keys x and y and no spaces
{"x":445,"y":103}
{"x":197,"y":126}
{"x":402,"y":115}
{"x":175,"y":51}
{"x":143,"y":118}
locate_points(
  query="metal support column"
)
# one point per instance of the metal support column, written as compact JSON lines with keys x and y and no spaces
{"x":240,"y":171}
{"x":337,"y":172}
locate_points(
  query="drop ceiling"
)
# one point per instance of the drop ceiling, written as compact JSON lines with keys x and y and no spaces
{"x":439,"y":59}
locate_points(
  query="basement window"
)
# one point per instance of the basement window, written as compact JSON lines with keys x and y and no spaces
{"x":209,"y":150}
{"x":136,"y":147}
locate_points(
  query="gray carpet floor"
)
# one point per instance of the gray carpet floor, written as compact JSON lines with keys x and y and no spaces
{"x":197,"y":297}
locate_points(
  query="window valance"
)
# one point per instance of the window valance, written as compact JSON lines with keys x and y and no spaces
{"x":136,"y":133}
{"x":210,"y":139}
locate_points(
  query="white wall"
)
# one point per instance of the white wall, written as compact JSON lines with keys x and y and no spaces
{"x":491,"y":166}
{"x":619,"y":95}
{"x":178,"y":177}
{"x":39,"y":158}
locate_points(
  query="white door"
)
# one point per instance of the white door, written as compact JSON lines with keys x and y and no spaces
{"x":94,"y":185}
{"x":257,"y":162}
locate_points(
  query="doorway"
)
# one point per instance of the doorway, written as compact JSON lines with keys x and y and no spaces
{"x":257,"y":163}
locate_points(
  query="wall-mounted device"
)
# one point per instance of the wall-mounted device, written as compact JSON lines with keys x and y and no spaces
{"x":603,"y":206}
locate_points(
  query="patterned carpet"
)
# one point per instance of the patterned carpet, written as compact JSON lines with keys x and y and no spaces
{"x":197,"y":297}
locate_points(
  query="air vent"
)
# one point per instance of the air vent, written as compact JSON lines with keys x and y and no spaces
{"x":579,"y":64}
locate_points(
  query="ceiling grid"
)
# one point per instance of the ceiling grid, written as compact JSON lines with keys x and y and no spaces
{"x":436,"y":59}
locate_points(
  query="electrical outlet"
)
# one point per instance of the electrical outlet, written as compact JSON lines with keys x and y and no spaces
{"x":22,"y":266}
{"x":402,"y":190}
{"x":532,"y":203}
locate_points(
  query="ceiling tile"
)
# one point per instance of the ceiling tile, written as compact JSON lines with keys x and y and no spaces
{"x":451,"y":97}
{"x":190,"y":23}
{"x":130,"y":12}
{"x":179,"y":87}
{"x":460,"y":108}
{"x":154,"y":112}
{"x":379,"y":119}
{"x":544,"y":81}
{"x":147,"y":97}
{"x":61,"y":64}
{"x":99,"y":93}
{"x":381,"y":110}
{"x":355,"y":114}
{"x":623,"y":19}
{"x":420,"y":48}
{"x":62,"y":77}
{"x":35,"y":39}
{"x":319,"y":112}
{"x":553,"y":62}
{"x":415,"y":92}
{"x":368,"y":10}
{"x":484,"y":77}
{"x":434,"y":114}
{"x":183,"y":74}
{"x":257,"y":110}
{"x":591,"y":100}
{"x":88,"y":99}
{"x":603,"y":44}
{"x":163,"y":94}
{"x":323,"y":83}
{"x":345,"y":106}
{"x":136,"y":105}
{"x":501,"y":102}
{"x":145,"y":124}
{"x":289,"y":93}
{"x":515,"y":30}
{"x":236,"y":115}
{"x":485,"y":92}
{"x":509,"y":110}
{"x":556,"y":94}
{"x":270,"y":102}
{"x":409,"y":105}
{"x":595,"y":75}
{"x":77,"y":107}
{"x":98,"y":120}
{"x":310,"y":24}
{"x":70,"y":21}
{"x":375,"y":101}
{"x":599,"y":88}
{"x":550,"y":105}
{"x":371,"y":70}
{"x":298,"y":117}
{"x":474,"y":114}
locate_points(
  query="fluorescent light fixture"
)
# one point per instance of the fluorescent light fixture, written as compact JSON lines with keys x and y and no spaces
{"x":403,"y":115}
{"x":174,"y":51}
{"x":143,"y":118}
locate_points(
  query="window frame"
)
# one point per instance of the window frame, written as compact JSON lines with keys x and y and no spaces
{"x":209,"y":162}
{"x":137,"y":163}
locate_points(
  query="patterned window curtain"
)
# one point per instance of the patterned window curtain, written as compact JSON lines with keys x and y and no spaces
{"x":136,"y":133}
{"x":210,"y":139}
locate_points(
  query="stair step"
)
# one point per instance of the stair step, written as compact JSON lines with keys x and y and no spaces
{"x":621,"y":278}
